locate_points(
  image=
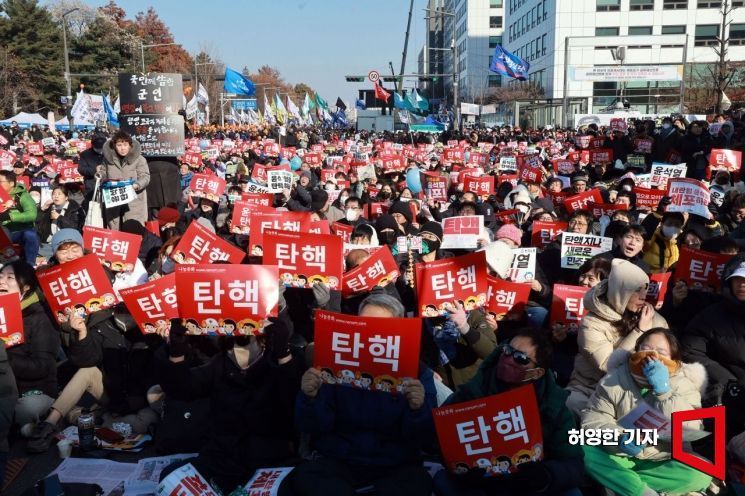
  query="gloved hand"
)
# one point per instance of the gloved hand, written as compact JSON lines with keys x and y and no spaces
{"x":278,"y":337}
{"x":658,"y":376}
{"x":177,"y":342}
{"x":631,"y":449}
{"x":664,"y":202}
{"x":322,"y":294}
{"x":531,"y":477}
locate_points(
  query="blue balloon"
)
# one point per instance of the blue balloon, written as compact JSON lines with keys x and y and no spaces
{"x":467,"y":155}
{"x":413,"y":180}
{"x":204,"y":144}
{"x":296,"y":162}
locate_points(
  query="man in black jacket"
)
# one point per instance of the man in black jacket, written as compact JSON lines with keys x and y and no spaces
{"x":628,"y":246}
{"x":89,"y":163}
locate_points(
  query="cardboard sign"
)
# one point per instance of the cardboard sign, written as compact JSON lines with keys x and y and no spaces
{"x":372,"y":353}
{"x":496,"y":433}
{"x":600,"y":209}
{"x":482,"y":186}
{"x":662,"y":173}
{"x":11,"y":320}
{"x":689,"y":195}
{"x":699,"y":269}
{"x":506,"y":296}
{"x":207,"y":186}
{"x":266,"y":481}
{"x":185,"y":481}
{"x":462,"y":232}
{"x":118,"y":250}
{"x":241,"y":218}
{"x":648,"y":198}
{"x":544,"y":232}
{"x":567,"y":305}
{"x":523,"y":265}
{"x":80,"y":286}
{"x":658,"y":288}
{"x":199,"y":245}
{"x":582,"y":200}
{"x":576,"y":249}
{"x":730,"y":160}
{"x":304,"y":259}
{"x":152,"y":304}
{"x":435,"y":186}
{"x":441,"y":282}
{"x":226,"y":300}
{"x":379,"y":269}
{"x":280,"y":221}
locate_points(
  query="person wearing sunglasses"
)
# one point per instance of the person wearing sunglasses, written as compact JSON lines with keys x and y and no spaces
{"x":525,"y":359}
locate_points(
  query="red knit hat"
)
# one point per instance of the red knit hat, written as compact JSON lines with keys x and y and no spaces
{"x":168,"y":215}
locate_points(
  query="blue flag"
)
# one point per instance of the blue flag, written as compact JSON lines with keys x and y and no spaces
{"x":111,"y":116}
{"x":360,"y":104}
{"x":509,"y":64}
{"x":235,"y":82}
{"x":401,"y":103}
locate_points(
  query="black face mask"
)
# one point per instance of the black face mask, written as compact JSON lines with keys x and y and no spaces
{"x":432,"y":246}
{"x":384,"y":195}
{"x":388,"y":238}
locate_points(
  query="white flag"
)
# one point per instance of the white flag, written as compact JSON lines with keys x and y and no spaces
{"x":81,"y":110}
{"x":192,"y":108}
{"x":293,"y":109}
{"x":202,"y":96}
{"x":117,"y":107}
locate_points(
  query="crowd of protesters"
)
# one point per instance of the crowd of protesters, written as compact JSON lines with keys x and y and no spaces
{"x":256,"y":401}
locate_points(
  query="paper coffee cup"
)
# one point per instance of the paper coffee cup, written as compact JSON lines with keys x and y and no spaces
{"x":65,"y":448}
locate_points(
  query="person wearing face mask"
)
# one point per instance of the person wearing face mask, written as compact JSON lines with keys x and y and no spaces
{"x":205,"y":209}
{"x":525,"y":359}
{"x":387,"y":229}
{"x":617,"y":314}
{"x":651,"y":373}
{"x":666,"y":141}
{"x":401,"y":212}
{"x":90,"y":161}
{"x":661,"y":239}
{"x":164,"y":264}
{"x":549,"y":259}
{"x":353,"y":212}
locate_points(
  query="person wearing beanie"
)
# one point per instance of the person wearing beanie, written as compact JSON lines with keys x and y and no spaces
{"x":431,"y":233}
{"x":168,"y":217}
{"x":387,"y":229}
{"x":402,"y":213}
{"x":510,"y":234}
{"x":579,"y":182}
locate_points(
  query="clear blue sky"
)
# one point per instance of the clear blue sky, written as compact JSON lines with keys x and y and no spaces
{"x":312,"y":41}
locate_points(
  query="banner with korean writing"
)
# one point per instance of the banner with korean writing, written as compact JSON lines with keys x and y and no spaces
{"x":394,"y":163}
{"x":545,"y":232}
{"x":462,"y":232}
{"x":280,"y":221}
{"x":442,"y":282}
{"x":722,"y":159}
{"x":582,"y":200}
{"x":372,"y":353}
{"x":199,"y":245}
{"x":567,"y":305}
{"x":600,"y":209}
{"x":305,"y":259}
{"x":152,"y":93}
{"x":379,"y":269}
{"x":185,"y":481}
{"x":118,"y":250}
{"x":576,"y":249}
{"x":267,"y":481}
{"x":79,"y":286}
{"x":658,"y":288}
{"x":601,"y":156}
{"x":226,"y":299}
{"x":435,"y":186}
{"x":279,"y":180}
{"x":689,"y":195}
{"x":11,"y":320}
{"x":648,"y":198}
{"x":482,"y":186}
{"x":496,"y":433}
{"x":523,"y":265}
{"x":207,"y":186}
{"x":159,"y":135}
{"x":152,"y":304}
{"x":263,"y":199}
{"x":506,"y":296}
{"x":700,"y":269}
{"x":241,"y":218}
{"x":563,"y":166}
{"x":662,"y":173}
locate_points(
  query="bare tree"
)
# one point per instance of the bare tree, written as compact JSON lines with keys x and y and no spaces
{"x":77,"y":21}
{"x":14,"y":84}
{"x":724,"y":71}
{"x":518,"y":91}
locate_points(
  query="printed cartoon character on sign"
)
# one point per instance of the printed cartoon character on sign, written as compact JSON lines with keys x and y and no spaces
{"x":317,"y":278}
{"x":470,"y":303}
{"x":179,"y":257}
{"x":522,"y":456}
{"x":537,"y":452}
{"x":385,"y":280}
{"x":333,"y":282}
{"x":13,"y":339}
{"x":109,"y":300}
{"x":481,"y":300}
{"x":461,"y":468}
{"x":257,"y":251}
{"x":300,"y":281}
{"x":346,"y":377}
{"x":287,"y":279}
{"x":365,"y":381}
{"x":93,"y":305}
{"x":484,"y":463}
{"x":502,"y":465}
{"x":148,"y":328}
{"x":61,"y":317}
{"x":192,"y":327}
{"x":327,"y":375}
{"x":211,"y":326}
{"x":430,"y":311}
{"x":385,"y":383}
{"x":79,"y":310}
{"x":228,"y":327}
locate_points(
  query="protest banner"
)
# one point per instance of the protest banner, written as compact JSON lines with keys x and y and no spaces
{"x":701,"y":270}
{"x":507,"y":163}
{"x":304,"y":259}
{"x":372,"y":353}
{"x":241,"y":218}
{"x":582,"y":200}
{"x":576,"y":249}
{"x":226,"y":299}
{"x":199,"y":245}
{"x":280,"y":221}
{"x":530,"y":174}
{"x":280,"y":180}
{"x":722,"y":159}
{"x":67,"y":173}
{"x":12,"y":332}
{"x":496,"y":433}
{"x":151,"y":93}
{"x":7,"y":159}
{"x":344,"y":231}
{"x":394,"y":163}
{"x":185,"y":481}
{"x":482,"y":186}
{"x":689,"y":195}
{"x":658,"y":288}
{"x":379,"y":269}
{"x":152,"y":304}
{"x":159,"y":135}
{"x":79,"y":286}
{"x":207,"y":186}
{"x":117,"y":249}
{"x":313,"y":159}
{"x":453,"y":155}
{"x":478,"y":159}
{"x":648,"y":198}
{"x":435,"y":186}
{"x":462,"y":232}
{"x":643,"y":145}
{"x":319,"y":227}
{"x":442,"y":282}
{"x":563,"y":166}
{"x":506,"y":296}
{"x":266,"y":481}
{"x":34,"y":148}
{"x":258,"y":174}
{"x":523,"y":265}
{"x":567,"y":306}
{"x":662,"y":173}
{"x":545,"y":232}
{"x":263,"y":199}
{"x":601,"y":156}
{"x":374,"y":210}
{"x":600,"y":209}
{"x":193,"y":159}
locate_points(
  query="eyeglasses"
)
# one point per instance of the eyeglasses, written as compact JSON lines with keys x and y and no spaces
{"x":520,"y":357}
{"x":577,"y":223}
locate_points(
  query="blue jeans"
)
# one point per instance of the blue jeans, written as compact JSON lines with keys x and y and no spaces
{"x":29,"y":240}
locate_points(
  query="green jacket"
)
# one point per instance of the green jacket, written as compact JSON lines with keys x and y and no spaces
{"x":23,"y":214}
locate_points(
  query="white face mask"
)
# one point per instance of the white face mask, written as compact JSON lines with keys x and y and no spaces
{"x":670,"y":232}
{"x":666,"y":125}
{"x":352,"y":215}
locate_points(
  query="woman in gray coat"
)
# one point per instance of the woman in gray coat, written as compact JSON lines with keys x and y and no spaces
{"x":123,"y":160}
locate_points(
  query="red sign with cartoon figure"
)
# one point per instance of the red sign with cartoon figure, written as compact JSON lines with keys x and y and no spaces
{"x":482,"y":186}
{"x":199,"y":245}
{"x":11,"y":320}
{"x":117,"y":249}
{"x":377,"y":270}
{"x":442,"y":282}
{"x":372,"y":353}
{"x":242,"y":210}
{"x":567,"y":306}
{"x":304,"y":259}
{"x":581,"y":201}
{"x":207,"y":186}
{"x":152,"y":304}
{"x":700,"y":269}
{"x":497,"y":433}
{"x":280,"y":221}
{"x":506,"y":296}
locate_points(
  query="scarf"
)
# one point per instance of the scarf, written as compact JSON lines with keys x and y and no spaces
{"x":29,"y":300}
{"x":636,"y":365}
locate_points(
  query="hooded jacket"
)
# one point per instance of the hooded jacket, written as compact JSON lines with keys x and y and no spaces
{"x":597,"y":337}
{"x":23,"y":213}
{"x":132,"y":166}
{"x":618,"y":394}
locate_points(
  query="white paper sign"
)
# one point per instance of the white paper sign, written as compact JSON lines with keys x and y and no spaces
{"x":118,"y":193}
{"x":689,"y":195}
{"x":576,"y":249}
{"x":279,"y":180}
{"x":266,"y":481}
{"x":662,"y":173}
{"x":523,"y":265}
{"x":185,"y":480}
{"x":462,"y":232}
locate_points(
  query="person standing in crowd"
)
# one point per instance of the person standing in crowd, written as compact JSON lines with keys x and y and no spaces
{"x":20,"y":217}
{"x":123,"y":161}
{"x":90,"y":162}
{"x":59,"y":212}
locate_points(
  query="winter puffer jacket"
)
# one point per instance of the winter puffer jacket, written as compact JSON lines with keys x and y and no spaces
{"x":618,"y":394}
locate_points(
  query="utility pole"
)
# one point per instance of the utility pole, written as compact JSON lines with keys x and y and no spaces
{"x":456,"y":103}
{"x":68,"y":82}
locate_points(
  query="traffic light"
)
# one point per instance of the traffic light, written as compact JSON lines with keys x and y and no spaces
{"x":355,"y":79}
{"x":390,"y":79}
{"x":425,"y":78}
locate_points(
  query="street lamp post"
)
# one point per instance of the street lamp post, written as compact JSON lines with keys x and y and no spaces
{"x":143,"y":47}
{"x":68,"y":83}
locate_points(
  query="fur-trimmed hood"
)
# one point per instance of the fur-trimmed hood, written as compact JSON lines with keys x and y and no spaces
{"x":694,"y":372}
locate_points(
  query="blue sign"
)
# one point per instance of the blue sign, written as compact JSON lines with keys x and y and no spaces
{"x":244,"y":104}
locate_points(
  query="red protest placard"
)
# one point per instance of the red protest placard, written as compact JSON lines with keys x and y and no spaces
{"x":313,"y":159}
{"x":648,"y":198}
{"x":496,"y":433}
{"x":530,"y":174}
{"x":67,"y":173}
{"x":193,"y":159}
{"x":34,"y":148}
{"x":505,"y":296}
{"x":601,"y":156}
{"x":280,"y":221}
{"x":258,"y":173}
{"x":304,"y":259}
{"x":319,"y":227}
{"x":581,"y":201}
{"x":241,"y":218}
{"x":730,"y":160}
{"x":545,"y":232}
{"x":658,"y":288}
{"x":226,"y":299}
{"x":643,"y":145}
{"x":263,"y":199}
{"x":435,"y":186}
{"x":375,"y":210}
{"x":152,"y":304}
{"x":453,"y":155}
{"x":344,"y":231}
{"x":117,"y":249}
{"x":11,"y":320}
{"x":699,"y":269}
{"x":567,"y":306}
{"x":207,"y":186}
{"x":373,"y":353}
{"x":80,"y":286}
{"x":482,"y":186}
{"x":563,"y":166}
{"x":600,"y":209}
{"x":441,"y":282}
{"x":379,"y":269}
{"x":477,"y":158}
{"x":394,"y":163}
{"x":199,"y":245}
